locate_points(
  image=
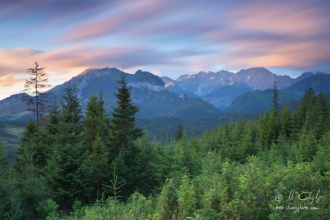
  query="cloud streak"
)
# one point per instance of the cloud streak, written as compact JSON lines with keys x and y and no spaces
{"x":263,"y":33}
{"x":172,"y":37}
{"x":15,"y":62}
{"x":8,"y":81}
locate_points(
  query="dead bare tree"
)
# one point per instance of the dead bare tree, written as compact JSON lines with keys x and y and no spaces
{"x":37,"y":102}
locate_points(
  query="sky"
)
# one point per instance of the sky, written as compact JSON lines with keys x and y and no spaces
{"x":165,"y":37}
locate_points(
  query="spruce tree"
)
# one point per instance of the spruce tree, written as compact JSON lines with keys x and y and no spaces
{"x":266,"y":124}
{"x":52,"y":126}
{"x":10,"y":201}
{"x":91,"y":120}
{"x":29,"y":167}
{"x":104,"y":130}
{"x":124,"y":136}
{"x":321,"y":115}
{"x":285,"y":122}
{"x":31,"y":148}
{"x":275,"y":101}
{"x":275,"y":125}
{"x":123,"y":120}
{"x":3,"y":159}
{"x":96,"y":121}
{"x":99,"y":164}
{"x":147,"y":181}
{"x":97,"y":138}
{"x":68,"y":172}
{"x":179,"y":132}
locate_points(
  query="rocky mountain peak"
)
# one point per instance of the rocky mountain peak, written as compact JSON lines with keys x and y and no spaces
{"x":182,"y":77}
{"x":88,"y":71}
{"x":99,"y":72}
{"x":145,"y":76}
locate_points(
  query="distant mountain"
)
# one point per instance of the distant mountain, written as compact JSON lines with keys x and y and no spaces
{"x":259,"y":101}
{"x":204,"y":83}
{"x":148,"y":92}
{"x":223,"y":87}
{"x":222,"y":97}
{"x":319,"y":82}
{"x":260,"y":79}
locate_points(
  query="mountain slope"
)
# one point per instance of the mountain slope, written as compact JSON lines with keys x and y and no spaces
{"x":194,"y":108}
{"x":222,"y":97}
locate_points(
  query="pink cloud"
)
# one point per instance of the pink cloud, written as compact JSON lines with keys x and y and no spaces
{"x":8,"y":81}
{"x":71,"y":61}
{"x":121,"y":20}
{"x":195,"y":34}
{"x":274,"y":34}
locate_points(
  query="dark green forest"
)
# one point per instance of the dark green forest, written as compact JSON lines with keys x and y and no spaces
{"x":99,"y":166}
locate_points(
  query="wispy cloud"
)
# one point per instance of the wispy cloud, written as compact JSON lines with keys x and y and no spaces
{"x":171,"y":37}
{"x":47,"y":9}
{"x":8,"y":81}
{"x":67,"y":60}
{"x":275,"y":34}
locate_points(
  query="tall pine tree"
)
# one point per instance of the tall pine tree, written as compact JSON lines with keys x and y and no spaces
{"x":275,"y":100}
{"x":274,"y":116}
{"x":97,"y":140}
{"x":38,"y":101}
{"x":123,"y":120}
{"x":124,"y":137}
{"x":96,"y":121}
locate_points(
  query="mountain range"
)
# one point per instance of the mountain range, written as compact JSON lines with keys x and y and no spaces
{"x":223,"y":87}
{"x":198,"y":95}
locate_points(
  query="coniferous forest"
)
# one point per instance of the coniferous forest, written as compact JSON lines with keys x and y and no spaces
{"x":99,"y":166}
